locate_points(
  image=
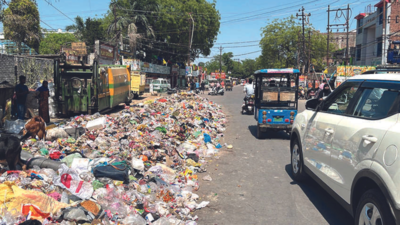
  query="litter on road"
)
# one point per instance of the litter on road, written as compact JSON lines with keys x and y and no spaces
{"x":139,"y":166}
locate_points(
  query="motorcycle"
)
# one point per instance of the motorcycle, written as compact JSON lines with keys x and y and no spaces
{"x":197,"y":91}
{"x":311,"y":94}
{"x":248,"y":105}
{"x":171,"y":91}
{"x":214,"y":91}
{"x":301,"y":95}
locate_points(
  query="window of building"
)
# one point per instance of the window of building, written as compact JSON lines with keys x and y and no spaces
{"x":359,"y":25}
{"x":380,"y":11}
{"x":379,"y":47}
{"x":358,"y":54}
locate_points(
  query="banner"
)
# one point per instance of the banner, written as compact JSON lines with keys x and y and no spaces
{"x":133,"y":63}
{"x":350,"y":71}
{"x":223,"y":76}
{"x":217,"y":75}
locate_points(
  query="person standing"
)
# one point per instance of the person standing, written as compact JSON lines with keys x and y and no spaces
{"x":202,"y":87}
{"x":151,"y":88}
{"x":44,"y":101}
{"x":22,"y":92}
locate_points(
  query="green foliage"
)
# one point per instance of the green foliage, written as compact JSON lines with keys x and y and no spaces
{"x":159,"y":22}
{"x":242,"y":69}
{"x":52,"y":42}
{"x":281,"y":44}
{"x":88,"y":31}
{"x":22,"y":24}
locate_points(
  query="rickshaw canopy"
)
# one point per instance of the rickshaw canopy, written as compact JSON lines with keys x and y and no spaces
{"x":275,"y":71}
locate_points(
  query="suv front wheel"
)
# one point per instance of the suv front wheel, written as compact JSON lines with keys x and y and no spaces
{"x":373,"y":209}
{"x":296,"y":157}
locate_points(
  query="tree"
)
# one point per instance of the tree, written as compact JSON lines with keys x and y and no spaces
{"x":88,"y":31}
{"x":170,"y":21}
{"x":280,"y":44}
{"x":52,"y":42}
{"x":78,"y":28}
{"x":22,"y":24}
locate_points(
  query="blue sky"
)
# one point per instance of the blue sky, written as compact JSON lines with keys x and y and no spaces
{"x":241,"y":21}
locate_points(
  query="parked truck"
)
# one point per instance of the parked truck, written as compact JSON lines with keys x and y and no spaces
{"x":138,"y":83}
{"x":87,"y":89}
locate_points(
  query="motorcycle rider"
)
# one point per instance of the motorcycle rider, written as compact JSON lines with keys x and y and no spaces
{"x":249,"y":90}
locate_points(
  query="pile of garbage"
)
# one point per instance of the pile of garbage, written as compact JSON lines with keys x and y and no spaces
{"x":140,"y":166}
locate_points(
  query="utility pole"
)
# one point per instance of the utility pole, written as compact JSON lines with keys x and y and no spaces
{"x":384,"y":33}
{"x":327,"y":40}
{"x":347,"y":34}
{"x":337,"y":27}
{"x":309,"y":51}
{"x":220,"y":59}
{"x":190,"y":39}
{"x":303,"y":17}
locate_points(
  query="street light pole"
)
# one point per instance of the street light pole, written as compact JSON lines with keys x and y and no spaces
{"x":190,"y":37}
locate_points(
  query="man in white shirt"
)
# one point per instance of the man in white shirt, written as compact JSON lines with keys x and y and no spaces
{"x":249,"y":89}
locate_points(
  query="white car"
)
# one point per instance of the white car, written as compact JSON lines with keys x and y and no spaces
{"x":349,"y":144}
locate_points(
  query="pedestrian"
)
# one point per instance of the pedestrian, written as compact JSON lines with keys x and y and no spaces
{"x":218,"y":86}
{"x":151,"y":88}
{"x":44,"y":101}
{"x":324,"y":92}
{"x":202,"y":87}
{"x":223,"y":84}
{"x":192,"y":86}
{"x":22,"y":92}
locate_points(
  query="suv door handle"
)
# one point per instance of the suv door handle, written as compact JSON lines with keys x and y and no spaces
{"x":370,"y":139}
{"x":329,"y":131}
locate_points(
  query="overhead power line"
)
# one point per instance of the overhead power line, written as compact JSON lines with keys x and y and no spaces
{"x":59,"y":10}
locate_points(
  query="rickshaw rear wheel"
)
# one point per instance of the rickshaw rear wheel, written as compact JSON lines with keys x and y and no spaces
{"x":259,"y":132}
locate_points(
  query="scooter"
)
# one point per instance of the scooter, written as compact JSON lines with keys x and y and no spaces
{"x":171,"y":91}
{"x":214,"y":91}
{"x":301,"y":95}
{"x":248,"y":105}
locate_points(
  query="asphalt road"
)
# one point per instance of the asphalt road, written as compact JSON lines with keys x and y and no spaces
{"x":252,"y":184}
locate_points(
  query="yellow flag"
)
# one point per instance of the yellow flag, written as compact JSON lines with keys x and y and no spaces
{"x":163,"y":61}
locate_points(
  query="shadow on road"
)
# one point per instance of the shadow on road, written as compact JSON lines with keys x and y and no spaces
{"x":330,"y":209}
{"x":269,"y":134}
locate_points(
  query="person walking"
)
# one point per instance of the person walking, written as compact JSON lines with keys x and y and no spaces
{"x":202,"y":87}
{"x":22,"y":92}
{"x":44,"y":101}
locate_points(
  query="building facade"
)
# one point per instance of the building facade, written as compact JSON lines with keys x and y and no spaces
{"x":371,"y":44}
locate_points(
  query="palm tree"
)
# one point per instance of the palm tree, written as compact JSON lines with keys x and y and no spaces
{"x":78,"y":28}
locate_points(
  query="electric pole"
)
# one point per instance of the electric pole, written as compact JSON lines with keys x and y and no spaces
{"x":191,"y":30}
{"x":384,"y":34}
{"x":220,"y":59}
{"x":303,"y":18}
{"x":347,"y":25}
{"x":327,"y":39}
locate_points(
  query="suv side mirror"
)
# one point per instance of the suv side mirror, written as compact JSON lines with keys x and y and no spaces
{"x":312,"y":104}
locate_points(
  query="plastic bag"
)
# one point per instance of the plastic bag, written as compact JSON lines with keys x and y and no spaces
{"x":69,"y":179}
{"x":137,"y":164}
{"x":56,"y":133}
{"x":70,"y":158}
{"x":14,"y":127}
{"x":134,"y":220}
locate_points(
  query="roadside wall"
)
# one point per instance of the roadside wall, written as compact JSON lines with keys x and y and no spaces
{"x":35,"y":69}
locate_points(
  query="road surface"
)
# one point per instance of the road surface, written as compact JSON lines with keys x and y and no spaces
{"x":251,"y":184}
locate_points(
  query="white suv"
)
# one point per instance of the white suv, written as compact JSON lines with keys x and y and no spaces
{"x":349,"y":144}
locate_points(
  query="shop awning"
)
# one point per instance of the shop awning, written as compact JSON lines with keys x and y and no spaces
{"x":380,"y":4}
{"x":360,"y":16}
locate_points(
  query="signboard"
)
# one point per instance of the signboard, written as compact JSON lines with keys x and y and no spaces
{"x":188,"y":70}
{"x":353,"y":70}
{"x":217,"y":76}
{"x":133,"y":63}
{"x":70,"y":55}
{"x":212,"y":74}
{"x":175,"y":69}
{"x":106,"y":51}
{"x":223,"y":75}
{"x":182,"y":72}
{"x":79,"y":48}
